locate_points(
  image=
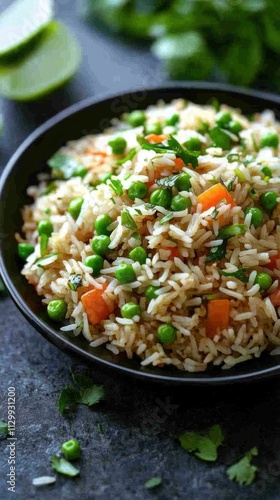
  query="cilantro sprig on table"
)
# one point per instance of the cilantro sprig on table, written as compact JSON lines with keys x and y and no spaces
{"x":203,"y":444}
{"x":243,"y":472}
{"x":84,"y":392}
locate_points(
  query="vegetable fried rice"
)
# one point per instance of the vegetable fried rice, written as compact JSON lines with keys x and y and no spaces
{"x":160,"y":237}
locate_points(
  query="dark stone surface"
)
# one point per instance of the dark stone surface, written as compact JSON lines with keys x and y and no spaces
{"x":138,"y":421}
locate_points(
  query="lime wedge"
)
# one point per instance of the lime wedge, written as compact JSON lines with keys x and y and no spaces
{"x":22,"y":21}
{"x":51,"y":63}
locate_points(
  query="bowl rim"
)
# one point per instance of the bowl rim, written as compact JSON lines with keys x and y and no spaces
{"x":53,"y":335}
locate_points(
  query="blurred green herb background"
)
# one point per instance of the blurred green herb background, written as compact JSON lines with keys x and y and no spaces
{"x":234,"y":41}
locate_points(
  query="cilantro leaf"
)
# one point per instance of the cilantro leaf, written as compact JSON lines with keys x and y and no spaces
{"x":64,"y":467}
{"x":66,"y":166}
{"x":173,"y":146}
{"x":68,"y":398}
{"x":129,"y":156}
{"x":153,"y":482}
{"x":184,"y":154}
{"x":87,"y":393}
{"x":75,"y":281}
{"x":116,"y":185}
{"x":243,"y":472}
{"x":4,"y":429}
{"x":204,"y":444}
{"x":216,"y":435}
{"x":217,"y":253}
{"x":167,"y":217}
{"x":167,"y":181}
{"x":128,"y":221}
{"x":240,"y":274}
{"x":91,"y":395}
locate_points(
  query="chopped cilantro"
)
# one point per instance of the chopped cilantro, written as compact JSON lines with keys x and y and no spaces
{"x":184,"y":154}
{"x":91,"y":395}
{"x":128,"y":157}
{"x":167,"y":181}
{"x":243,"y":472}
{"x":167,"y":217}
{"x":240,"y":274}
{"x":204,"y":444}
{"x":75,"y":281}
{"x":153,"y":482}
{"x":64,"y":467}
{"x":217,"y":253}
{"x":128,"y":221}
{"x":68,"y":398}
{"x":66,"y":166}
{"x":233,"y":157}
{"x":173,"y":146}
{"x":117,"y":187}
{"x":214,"y":214}
{"x":4,"y":429}
{"x":230,"y":184}
{"x":86,"y":393}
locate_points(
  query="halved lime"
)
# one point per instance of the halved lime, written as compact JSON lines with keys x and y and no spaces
{"x":50,"y":64}
{"x":22,"y":21}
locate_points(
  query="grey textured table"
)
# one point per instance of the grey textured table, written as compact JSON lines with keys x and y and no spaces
{"x":139,"y":421}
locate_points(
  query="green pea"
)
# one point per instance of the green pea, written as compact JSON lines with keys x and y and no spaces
{"x":130,"y":310}
{"x":75,"y":206}
{"x":100,"y":244}
{"x":269,"y":200}
{"x":45,"y":227}
{"x":270,"y":139}
{"x":138,"y":254}
{"x":161,"y":198}
{"x":153,"y":128}
{"x":223,"y":118}
{"x":137,"y":190}
{"x":257,"y":215}
{"x":267,"y":172}
{"x":264,"y":280}
{"x":172,"y":120}
{"x":234,"y":126}
{"x":151,"y":292}
{"x":118,"y":145}
{"x":125,"y":274}
{"x":80,"y":172}
{"x":220,"y":138}
{"x":101,"y":224}
{"x":166,"y":334}
{"x":57,"y":310}
{"x":71,"y":449}
{"x":180,"y":203}
{"x":136,"y":118}
{"x":96,"y":263}
{"x":183,"y":182}
{"x":193,"y":144}
{"x":24,"y":250}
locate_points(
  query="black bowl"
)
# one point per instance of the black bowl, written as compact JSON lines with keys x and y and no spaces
{"x":91,"y":116}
